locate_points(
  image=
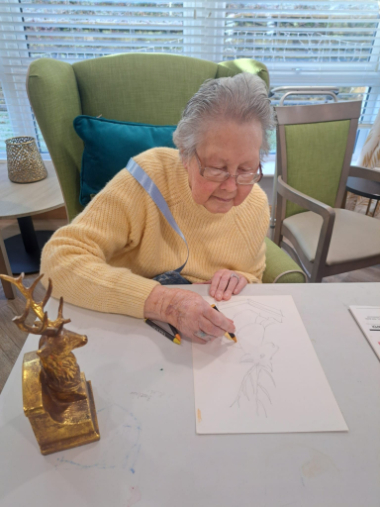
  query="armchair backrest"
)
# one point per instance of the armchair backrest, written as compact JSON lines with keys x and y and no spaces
{"x":136,"y":87}
{"x":314,"y":149}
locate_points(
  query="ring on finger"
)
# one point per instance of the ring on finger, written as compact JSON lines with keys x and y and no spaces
{"x":234,"y":275}
{"x":203,"y":336}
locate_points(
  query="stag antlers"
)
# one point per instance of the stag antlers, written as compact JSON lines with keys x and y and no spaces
{"x":45,"y":326}
{"x":60,"y":372}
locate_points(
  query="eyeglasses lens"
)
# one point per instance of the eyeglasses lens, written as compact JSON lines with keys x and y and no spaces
{"x":216,"y":175}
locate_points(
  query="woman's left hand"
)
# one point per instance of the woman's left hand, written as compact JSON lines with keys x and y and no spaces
{"x":225,"y":283}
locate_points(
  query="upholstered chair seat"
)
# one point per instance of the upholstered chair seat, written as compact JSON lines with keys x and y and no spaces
{"x":354,"y":236}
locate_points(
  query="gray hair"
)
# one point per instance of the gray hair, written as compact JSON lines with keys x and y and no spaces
{"x":241,"y":98}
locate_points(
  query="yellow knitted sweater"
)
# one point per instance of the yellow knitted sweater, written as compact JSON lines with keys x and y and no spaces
{"x":106,"y":258}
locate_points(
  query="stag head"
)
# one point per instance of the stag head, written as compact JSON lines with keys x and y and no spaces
{"x":59,"y":365}
{"x":60,"y":344}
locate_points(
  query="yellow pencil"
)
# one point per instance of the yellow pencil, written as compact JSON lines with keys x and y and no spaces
{"x":230,"y":336}
{"x":177,"y":338}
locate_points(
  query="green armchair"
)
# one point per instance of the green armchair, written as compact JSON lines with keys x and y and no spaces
{"x":144,"y":88}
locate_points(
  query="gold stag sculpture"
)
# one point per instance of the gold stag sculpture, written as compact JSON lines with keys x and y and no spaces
{"x":57,"y":398}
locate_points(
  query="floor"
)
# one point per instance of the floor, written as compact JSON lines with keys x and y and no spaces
{"x":12,"y":339}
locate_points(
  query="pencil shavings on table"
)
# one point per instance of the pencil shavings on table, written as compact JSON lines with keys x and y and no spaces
{"x":57,"y":398}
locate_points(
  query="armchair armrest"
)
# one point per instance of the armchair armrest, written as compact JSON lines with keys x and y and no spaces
{"x":280,"y":268}
{"x":324,"y":210}
{"x":365,"y":172}
{"x":304,"y":200}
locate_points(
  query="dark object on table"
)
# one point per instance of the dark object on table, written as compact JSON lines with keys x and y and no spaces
{"x":365,"y":188}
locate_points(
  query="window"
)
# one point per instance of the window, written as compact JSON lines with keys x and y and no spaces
{"x":5,"y":124}
{"x":325,"y":42}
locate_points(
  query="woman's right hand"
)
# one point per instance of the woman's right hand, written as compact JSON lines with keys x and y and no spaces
{"x":188,"y":312}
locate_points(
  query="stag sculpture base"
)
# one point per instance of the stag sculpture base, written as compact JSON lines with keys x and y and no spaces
{"x":57,"y":425}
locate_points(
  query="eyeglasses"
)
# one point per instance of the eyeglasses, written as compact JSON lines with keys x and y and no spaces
{"x":220,"y":175}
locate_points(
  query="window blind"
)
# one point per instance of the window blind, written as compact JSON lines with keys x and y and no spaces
{"x":301,"y":42}
{"x":323,"y":42}
{"x":5,"y":125}
{"x":305,"y":37}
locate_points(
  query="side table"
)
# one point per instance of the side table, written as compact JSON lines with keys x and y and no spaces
{"x":364,"y":188}
{"x":21,"y":201}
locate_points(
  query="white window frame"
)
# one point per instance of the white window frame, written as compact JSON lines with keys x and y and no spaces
{"x":204,"y":32}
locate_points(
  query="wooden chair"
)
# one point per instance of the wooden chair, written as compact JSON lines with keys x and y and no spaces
{"x":314,"y":149}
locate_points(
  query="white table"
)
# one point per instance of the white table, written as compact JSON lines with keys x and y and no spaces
{"x":21,"y":201}
{"x":149,"y":453}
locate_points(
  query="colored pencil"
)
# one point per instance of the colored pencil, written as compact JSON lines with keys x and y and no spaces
{"x":176,"y":338}
{"x":176,"y":333}
{"x":230,"y":336}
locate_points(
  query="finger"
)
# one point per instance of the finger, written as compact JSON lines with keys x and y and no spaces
{"x":203,"y":336}
{"x":195,"y":339}
{"x":218,"y":319}
{"x":232,"y":284}
{"x":240,"y":286}
{"x":215,"y":282}
{"x":223,"y":283}
{"x":209,"y":328}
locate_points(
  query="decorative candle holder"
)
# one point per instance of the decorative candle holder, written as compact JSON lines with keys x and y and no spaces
{"x":24,"y":161}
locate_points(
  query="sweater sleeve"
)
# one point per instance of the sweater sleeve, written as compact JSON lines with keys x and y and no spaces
{"x":254,"y":227}
{"x":76,"y":256}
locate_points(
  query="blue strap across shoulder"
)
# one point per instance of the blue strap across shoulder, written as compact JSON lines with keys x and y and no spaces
{"x":148,"y":184}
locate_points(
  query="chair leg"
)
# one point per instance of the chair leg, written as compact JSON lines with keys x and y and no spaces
{"x":317,"y":278}
{"x":344,"y":200}
{"x":316,"y":274}
{"x":368,"y":207}
{"x":5,"y":268}
{"x":277,"y":238}
{"x":374,"y":211}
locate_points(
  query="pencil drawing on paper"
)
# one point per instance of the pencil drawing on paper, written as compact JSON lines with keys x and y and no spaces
{"x":270,"y":380}
{"x":257,"y":352}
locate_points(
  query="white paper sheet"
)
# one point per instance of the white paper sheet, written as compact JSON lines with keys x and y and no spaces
{"x":368,"y":319}
{"x":270,"y":381}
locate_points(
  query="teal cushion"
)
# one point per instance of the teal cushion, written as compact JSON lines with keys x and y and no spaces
{"x":108,"y":146}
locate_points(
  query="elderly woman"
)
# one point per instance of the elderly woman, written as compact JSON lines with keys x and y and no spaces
{"x":111,"y":256}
